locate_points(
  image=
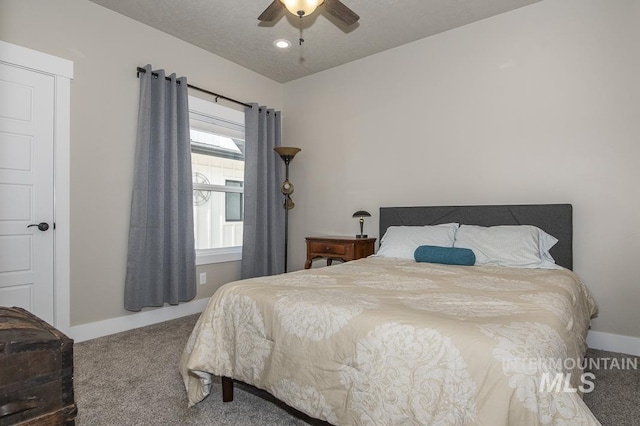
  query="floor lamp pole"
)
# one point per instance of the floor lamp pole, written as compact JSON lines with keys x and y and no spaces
{"x":286,"y":215}
{"x":286,"y":153}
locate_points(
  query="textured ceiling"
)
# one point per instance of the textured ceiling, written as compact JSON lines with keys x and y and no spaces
{"x":230,"y":29}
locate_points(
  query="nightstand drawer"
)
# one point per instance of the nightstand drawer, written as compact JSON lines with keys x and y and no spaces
{"x":327,"y":248}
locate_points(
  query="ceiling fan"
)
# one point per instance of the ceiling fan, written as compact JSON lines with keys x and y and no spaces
{"x":306,"y":7}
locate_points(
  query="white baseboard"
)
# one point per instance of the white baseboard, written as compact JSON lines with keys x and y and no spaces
{"x":80,"y":333}
{"x":614,"y":342}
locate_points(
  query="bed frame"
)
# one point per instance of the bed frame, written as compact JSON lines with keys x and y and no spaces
{"x":555,"y":219}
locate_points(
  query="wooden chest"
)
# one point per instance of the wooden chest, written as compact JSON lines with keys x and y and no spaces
{"x":36,"y":371}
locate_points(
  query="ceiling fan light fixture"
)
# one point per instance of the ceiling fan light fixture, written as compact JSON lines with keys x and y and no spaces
{"x":301,"y":7}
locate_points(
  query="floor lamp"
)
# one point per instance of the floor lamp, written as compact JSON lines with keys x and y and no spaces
{"x":286,"y":153}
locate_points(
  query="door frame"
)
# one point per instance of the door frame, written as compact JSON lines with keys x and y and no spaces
{"x":62,"y":72}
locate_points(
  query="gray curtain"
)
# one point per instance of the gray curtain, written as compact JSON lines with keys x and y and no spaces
{"x":161,"y":253}
{"x":263,"y":234}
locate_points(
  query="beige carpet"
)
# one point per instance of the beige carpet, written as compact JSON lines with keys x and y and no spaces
{"x":132,"y":378}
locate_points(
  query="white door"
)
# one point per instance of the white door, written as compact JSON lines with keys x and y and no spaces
{"x":26,"y":190}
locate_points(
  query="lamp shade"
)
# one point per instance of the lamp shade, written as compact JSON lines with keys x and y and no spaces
{"x":301,"y":7}
{"x":287,"y":152}
{"x":362,"y":213}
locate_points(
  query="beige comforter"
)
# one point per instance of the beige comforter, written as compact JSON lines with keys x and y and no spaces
{"x":390,"y":342}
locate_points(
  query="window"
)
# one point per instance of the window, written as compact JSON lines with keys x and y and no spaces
{"x":217,"y":160}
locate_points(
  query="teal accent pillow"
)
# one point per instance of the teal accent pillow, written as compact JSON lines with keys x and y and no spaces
{"x":445,"y":255}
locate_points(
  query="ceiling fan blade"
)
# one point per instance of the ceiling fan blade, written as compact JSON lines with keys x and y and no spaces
{"x":341,"y":12}
{"x":271,"y":12}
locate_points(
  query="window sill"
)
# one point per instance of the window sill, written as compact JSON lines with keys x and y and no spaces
{"x":218,"y":255}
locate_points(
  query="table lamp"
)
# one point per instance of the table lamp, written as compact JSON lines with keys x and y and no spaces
{"x":361,"y":214}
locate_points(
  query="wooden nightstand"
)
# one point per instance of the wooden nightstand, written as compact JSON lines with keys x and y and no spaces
{"x":340,"y":248}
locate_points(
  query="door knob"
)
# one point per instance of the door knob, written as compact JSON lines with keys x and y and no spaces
{"x":42,"y":226}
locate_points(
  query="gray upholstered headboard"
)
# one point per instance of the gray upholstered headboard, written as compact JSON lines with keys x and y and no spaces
{"x":555,"y":219}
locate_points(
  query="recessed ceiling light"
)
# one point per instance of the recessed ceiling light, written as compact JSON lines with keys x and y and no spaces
{"x":282,"y":43}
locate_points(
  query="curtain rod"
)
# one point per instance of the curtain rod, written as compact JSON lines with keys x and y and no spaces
{"x":217,"y":96}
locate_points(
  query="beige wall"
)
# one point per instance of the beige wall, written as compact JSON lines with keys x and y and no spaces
{"x":539,"y":105}
{"x":106,"y":48}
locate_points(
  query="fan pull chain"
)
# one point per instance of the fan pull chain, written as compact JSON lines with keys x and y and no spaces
{"x":301,"y":40}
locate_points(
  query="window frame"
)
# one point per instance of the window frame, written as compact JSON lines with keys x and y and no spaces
{"x":232,"y":121}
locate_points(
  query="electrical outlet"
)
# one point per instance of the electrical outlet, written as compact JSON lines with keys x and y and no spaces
{"x":203,"y":277}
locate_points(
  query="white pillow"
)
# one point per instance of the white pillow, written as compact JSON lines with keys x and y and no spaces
{"x":402,"y":241}
{"x":520,"y":246}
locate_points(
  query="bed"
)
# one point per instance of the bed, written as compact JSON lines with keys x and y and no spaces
{"x":388,"y":340}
